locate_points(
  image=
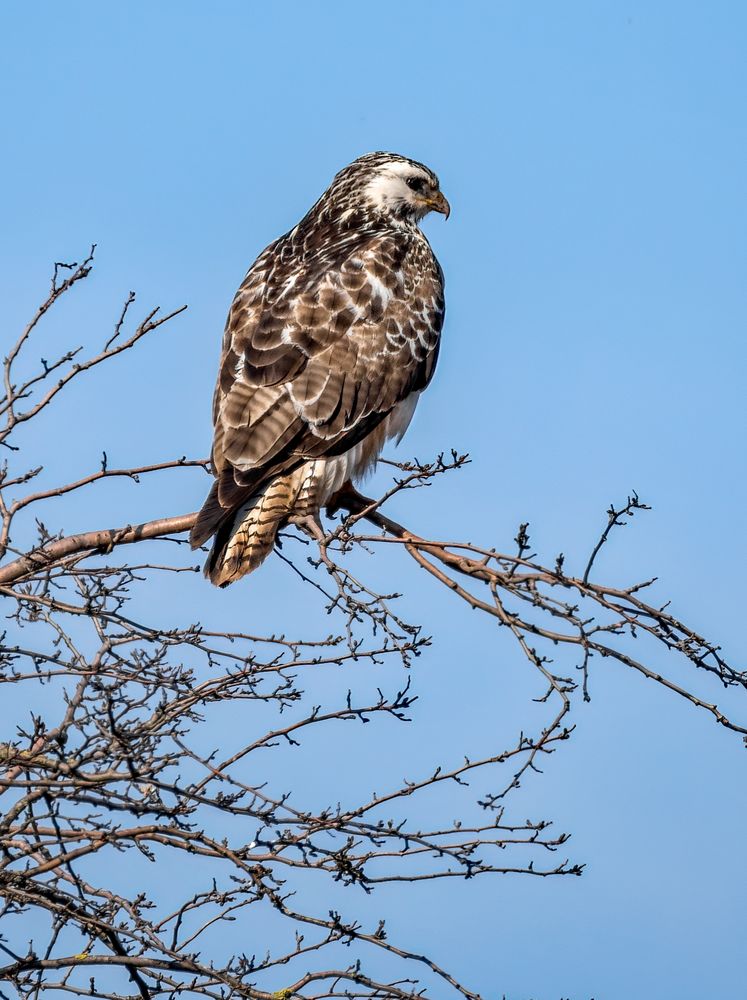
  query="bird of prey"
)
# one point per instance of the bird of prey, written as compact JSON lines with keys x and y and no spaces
{"x":331,"y":338}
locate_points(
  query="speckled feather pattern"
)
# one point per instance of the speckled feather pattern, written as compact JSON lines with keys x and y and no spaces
{"x":331,"y":337}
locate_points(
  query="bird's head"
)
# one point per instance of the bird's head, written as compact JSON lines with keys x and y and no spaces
{"x":388,"y":186}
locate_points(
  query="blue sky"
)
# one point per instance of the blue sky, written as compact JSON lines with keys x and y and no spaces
{"x":594,"y":157}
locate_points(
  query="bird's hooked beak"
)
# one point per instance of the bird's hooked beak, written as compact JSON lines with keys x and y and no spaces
{"x":437,"y":203}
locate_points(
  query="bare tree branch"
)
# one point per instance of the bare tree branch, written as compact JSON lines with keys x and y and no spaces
{"x":112,"y":759}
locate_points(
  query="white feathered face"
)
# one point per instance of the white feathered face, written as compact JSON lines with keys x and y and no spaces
{"x":404,"y":189}
{"x":380,"y":186}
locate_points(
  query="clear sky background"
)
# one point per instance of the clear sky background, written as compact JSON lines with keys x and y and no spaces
{"x":594,"y":155}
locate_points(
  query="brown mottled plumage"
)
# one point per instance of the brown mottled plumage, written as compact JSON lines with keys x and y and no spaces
{"x":332,"y":335}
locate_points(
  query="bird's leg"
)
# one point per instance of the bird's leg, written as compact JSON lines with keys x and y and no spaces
{"x":311,"y":525}
{"x":348,"y":498}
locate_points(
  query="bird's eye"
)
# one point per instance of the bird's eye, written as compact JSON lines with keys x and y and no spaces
{"x":416,"y":183}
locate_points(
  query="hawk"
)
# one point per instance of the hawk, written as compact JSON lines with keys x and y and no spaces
{"x":331,"y":338}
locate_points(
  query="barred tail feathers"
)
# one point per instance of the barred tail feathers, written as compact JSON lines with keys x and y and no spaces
{"x":248,"y":537}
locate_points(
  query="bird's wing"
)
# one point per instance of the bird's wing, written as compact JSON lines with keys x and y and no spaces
{"x":316,"y":354}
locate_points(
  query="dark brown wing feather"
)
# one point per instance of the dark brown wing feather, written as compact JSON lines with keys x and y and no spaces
{"x":325,"y":336}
